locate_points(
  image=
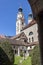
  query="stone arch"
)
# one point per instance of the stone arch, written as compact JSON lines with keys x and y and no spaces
{"x":36,"y":6}
{"x":37,"y":10}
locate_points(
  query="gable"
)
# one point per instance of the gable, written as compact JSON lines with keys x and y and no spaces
{"x":23,"y":36}
{"x":19,"y":36}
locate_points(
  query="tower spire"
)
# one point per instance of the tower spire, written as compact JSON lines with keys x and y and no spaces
{"x":30,"y":18}
{"x":20,"y":21}
{"x":20,"y":9}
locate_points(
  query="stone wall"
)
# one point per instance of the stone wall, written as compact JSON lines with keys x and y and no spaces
{"x":34,"y":29}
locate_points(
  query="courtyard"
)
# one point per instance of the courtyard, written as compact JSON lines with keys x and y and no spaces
{"x":19,"y":60}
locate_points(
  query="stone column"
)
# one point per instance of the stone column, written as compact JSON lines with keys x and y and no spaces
{"x":40,"y":31}
{"x":18,"y":51}
{"x":26,"y":52}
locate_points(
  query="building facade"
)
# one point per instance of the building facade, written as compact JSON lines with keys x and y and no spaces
{"x":30,"y":30}
{"x":26,"y":33}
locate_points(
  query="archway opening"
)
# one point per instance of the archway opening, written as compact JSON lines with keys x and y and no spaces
{"x":37,"y":9}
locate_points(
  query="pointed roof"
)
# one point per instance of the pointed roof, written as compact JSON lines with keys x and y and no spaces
{"x":20,"y":9}
{"x":21,"y":35}
{"x":30,"y":24}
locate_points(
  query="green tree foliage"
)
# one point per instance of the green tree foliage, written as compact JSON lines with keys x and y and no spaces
{"x":6,"y":53}
{"x":36,"y":56}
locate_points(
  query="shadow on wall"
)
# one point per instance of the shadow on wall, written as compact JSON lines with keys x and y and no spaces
{"x":4,"y":60}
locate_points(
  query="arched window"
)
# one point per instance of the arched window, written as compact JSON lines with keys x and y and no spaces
{"x":32,"y":39}
{"x":29,"y":40}
{"x":31,"y":33}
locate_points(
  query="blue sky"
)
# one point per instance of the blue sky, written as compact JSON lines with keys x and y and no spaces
{"x":8,"y":15}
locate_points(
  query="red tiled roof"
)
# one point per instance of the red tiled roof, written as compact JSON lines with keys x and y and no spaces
{"x":2,"y":36}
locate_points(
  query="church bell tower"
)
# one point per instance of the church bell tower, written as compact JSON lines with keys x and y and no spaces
{"x":30,"y":18}
{"x":20,"y":21}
